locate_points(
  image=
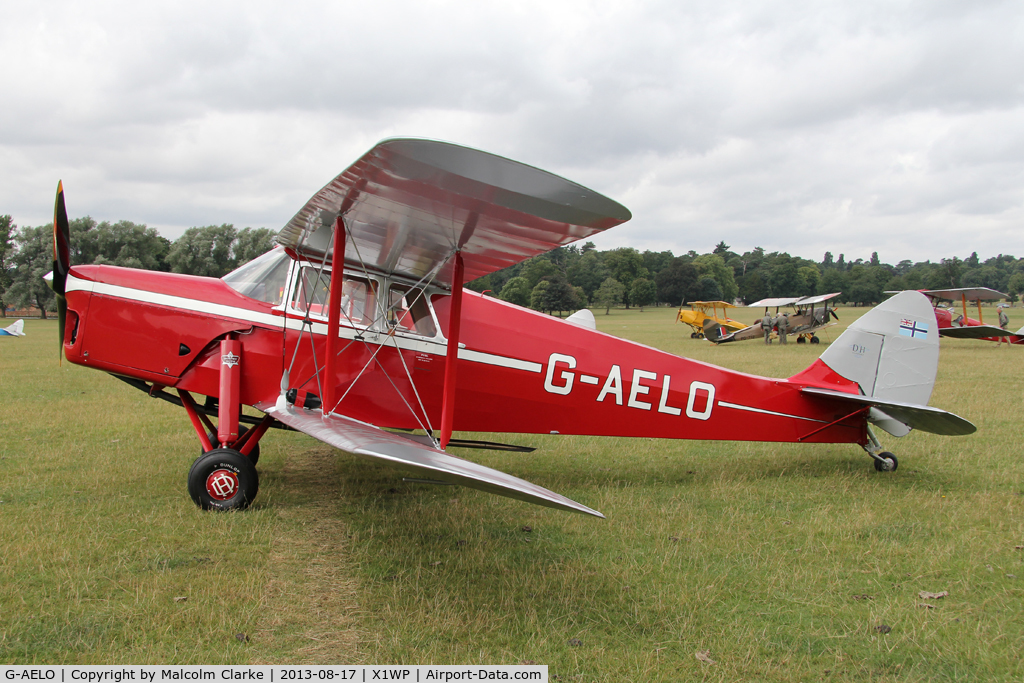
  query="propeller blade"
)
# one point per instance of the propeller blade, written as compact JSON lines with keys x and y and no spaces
{"x":61,"y":260}
{"x":834,"y":314}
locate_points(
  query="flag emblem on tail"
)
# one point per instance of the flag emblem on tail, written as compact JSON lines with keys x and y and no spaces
{"x":913,"y":328}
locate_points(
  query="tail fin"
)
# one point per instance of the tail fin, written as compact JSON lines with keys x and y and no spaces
{"x":16,"y":329}
{"x":713,"y":332}
{"x":892,"y":351}
{"x":892,"y":354}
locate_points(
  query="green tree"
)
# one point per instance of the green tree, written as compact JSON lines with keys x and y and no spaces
{"x":250,"y":243}
{"x":712,"y":265}
{"x":33,"y":260}
{"x":7,"y":232}
{"x":538,"y":268}
{"x":608,"y":294}
{"x":588,"y":272}
{"x":204,"y":251}
{"x":559,"y":296}
{"x":537,"y":298}
{"x":124,"y":243}
{"x":643,"y":293}
{"x":676,"y":282}
{"x":753,"y":287}
{"x":516,"y":291}
{"x":625,"y":265}
{"x":708,"y":289}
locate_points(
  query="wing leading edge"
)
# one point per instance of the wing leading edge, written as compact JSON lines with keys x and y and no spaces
{"x":371,"y":442}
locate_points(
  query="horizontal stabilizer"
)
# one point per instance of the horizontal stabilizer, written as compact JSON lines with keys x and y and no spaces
{"x":925,"y":418}
{"x":371,"y":442}
{"x":974,"y":332}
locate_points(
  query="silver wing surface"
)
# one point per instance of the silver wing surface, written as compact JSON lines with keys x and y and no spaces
{"x":970,"y":293}
{"x":974,"y":332}
{"x":409,"y":203}
{"x":925,"y":418}
{"x":360,"y":438}
{"x":807,"y":300}
{"x":776,"y":302}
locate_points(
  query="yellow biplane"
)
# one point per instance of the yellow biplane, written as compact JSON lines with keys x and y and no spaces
{"x":707,"y":310}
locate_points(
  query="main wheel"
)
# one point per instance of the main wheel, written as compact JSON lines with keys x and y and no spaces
{"x":223,"y":479}
{"x":814,"y":339}
{"x":700,"y":335}
{"x":254,"y":454}
{"x":888,"y":463}
{"x":801,"y":340}
{"x":693,"y":335}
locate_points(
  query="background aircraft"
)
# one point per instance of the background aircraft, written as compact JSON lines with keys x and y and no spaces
{"x":962,"y":327}
{"x":702,"y":311}
{"x":356,"y":330}
{"x":808,"y":318}
{"x":15,"y":329}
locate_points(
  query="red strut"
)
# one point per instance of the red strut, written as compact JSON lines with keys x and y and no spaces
{"x":334,"y":316}
{"x":454,"y":322}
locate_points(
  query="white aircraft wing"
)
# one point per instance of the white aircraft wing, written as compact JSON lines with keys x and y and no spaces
{"x":925,"y":418}
{"x":360,"y":438}
{"x":775,"y":303}
{"x":409,"y":203}
{"x":808,"y":300}
{"x":972,"y":294}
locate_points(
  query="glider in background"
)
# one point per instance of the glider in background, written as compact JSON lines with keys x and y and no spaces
{"x":357,"y":331}
{"x":15,"y":329}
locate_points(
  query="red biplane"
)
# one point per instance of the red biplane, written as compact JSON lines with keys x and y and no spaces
{"x":962,"y":327}
{"x":387,"y":359}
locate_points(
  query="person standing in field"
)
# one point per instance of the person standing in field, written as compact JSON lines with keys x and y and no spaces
{"x":766,"y":327}
{"x":783,"y":323}
{"x":1004,"y":320}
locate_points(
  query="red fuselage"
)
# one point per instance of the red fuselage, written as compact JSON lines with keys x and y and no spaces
{"x":519,"y":371}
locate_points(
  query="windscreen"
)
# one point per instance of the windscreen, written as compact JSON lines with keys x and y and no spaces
{"x":264,"y":278}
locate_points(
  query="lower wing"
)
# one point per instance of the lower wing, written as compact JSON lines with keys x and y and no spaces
{"x":360,"y":438}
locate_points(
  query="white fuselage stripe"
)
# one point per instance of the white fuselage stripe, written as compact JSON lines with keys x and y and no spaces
{"x":437,"y":348}
{"x":736,"y":406}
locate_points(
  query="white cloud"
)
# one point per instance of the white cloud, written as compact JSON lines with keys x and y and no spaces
{"x":809,"y":126}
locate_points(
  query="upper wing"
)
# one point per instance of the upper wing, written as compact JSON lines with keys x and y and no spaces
{"x":774,"y":303}
{"x":816,"y":299}
{"x":408,"y":203}
{"x":974,"y":332}
{"x":368,"y":441}
{"x":971,"y":293}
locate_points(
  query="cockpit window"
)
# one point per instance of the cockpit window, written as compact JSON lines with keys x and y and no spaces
{"x":264,"y":278}
{"x":312,"y":292}
{"x":408,"y":311}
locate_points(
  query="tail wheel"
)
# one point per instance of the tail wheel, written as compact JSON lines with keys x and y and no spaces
{"x":254,"y":454}
{"x":223,"y":479}
{"x":888,"y":462}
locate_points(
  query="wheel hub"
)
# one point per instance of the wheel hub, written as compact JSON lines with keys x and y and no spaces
{"x":222,"y":484}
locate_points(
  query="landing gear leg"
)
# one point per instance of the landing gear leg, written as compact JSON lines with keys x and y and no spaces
{"x":884,"y":460}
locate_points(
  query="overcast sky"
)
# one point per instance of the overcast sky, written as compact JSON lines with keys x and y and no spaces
{"x":850,"y":126}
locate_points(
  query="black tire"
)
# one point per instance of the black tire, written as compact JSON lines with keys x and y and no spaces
{"x":254,"y":454}
{"x":700,"y":335}
{"x":801,"y":340}
{"x":223,"y":479}
{"x":815,"y":340}
{"x":693,"y":335}
{"x":881,"y":466}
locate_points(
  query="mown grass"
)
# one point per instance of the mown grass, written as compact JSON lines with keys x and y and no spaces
{"x":780,"y":560}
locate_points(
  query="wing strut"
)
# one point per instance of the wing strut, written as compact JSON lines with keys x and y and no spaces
{"x":334,"y":315}
{"x":454,"y":323}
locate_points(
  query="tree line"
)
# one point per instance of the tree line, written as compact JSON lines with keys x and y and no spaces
{"x":572,"y":277}
{"x":565,"y":279}
{"x":26,"y":254}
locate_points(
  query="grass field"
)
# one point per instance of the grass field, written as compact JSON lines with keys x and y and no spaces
{"x":780,"y":561}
